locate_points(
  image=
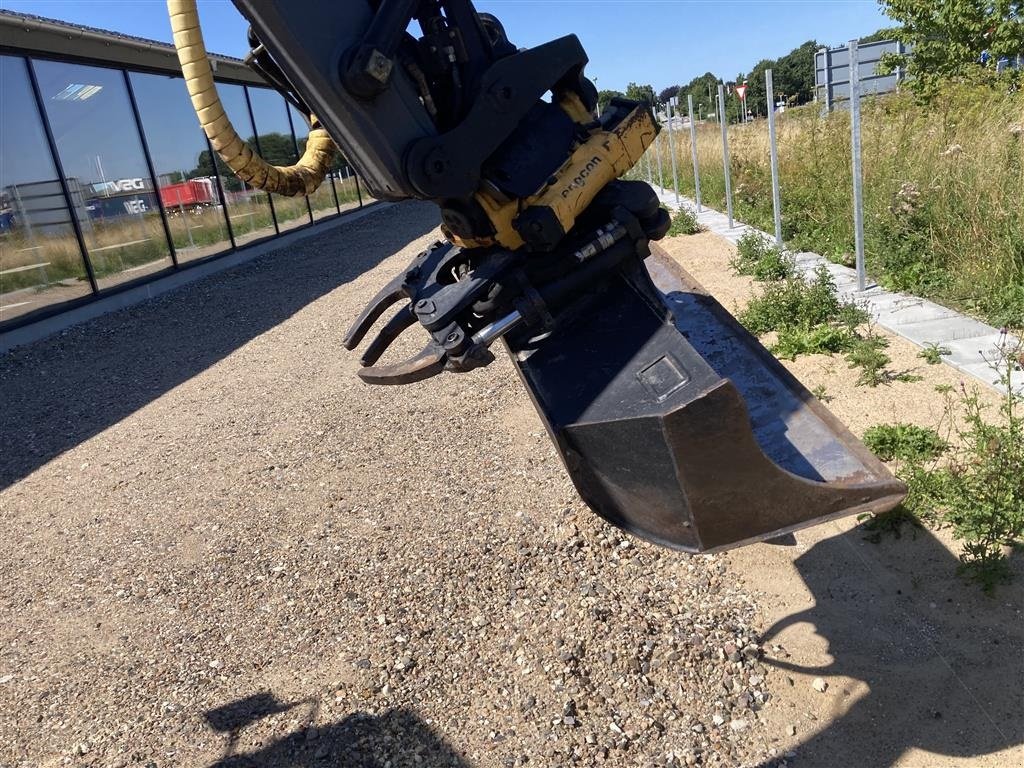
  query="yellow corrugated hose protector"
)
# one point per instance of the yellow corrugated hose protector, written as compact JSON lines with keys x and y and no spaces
{"x":299,"y":179}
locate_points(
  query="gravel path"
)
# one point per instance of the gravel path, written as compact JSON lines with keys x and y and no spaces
{"x":221,"y":548}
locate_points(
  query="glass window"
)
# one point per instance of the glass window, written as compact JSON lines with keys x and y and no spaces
{"x":322,"y":202}
{"x":99,"y":147}
{"x":249,"y":208}
{"x":40,"y":262}
{"x":344,"y":178}
{"x":185,"y":175}
{"x":277,"y":145}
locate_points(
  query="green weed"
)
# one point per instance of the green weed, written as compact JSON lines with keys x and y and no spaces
{"x":907,"y":442}
{"x":866,"y":353}
{"x":760,"y":258}
{"x":974,"y":486}
{"x":942,"y":189}
{"x":685,"y":223}
{"x":806,"y":314}
{"x":821,"y":393}
{"x":933,"y":353}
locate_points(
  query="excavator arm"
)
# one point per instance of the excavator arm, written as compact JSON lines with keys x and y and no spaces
{"x":673,"y":422}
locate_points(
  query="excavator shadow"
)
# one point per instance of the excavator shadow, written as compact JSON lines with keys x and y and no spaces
{"x":939,"y":664}
{"x":61,"y":391}
{"x":393,"y":738}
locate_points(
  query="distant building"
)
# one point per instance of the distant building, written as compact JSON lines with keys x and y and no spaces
{"x":106,"y":179}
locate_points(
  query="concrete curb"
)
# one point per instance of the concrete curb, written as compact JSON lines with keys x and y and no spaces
{"x":971,"y":342}
{"x":48,"y":326}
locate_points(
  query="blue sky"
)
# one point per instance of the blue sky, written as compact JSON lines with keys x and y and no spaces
{"x":661,"y":42}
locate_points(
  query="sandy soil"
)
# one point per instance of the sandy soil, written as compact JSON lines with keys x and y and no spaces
{"x":220,"y":548}
{"x":922,"y":670}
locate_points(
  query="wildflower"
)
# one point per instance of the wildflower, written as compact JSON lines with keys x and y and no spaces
{"x":906,"y":199}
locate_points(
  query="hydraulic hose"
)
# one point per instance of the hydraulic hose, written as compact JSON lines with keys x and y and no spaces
{"x":302,"y":178}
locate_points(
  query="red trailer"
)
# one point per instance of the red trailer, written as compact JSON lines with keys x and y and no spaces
{"x":190,"y":194}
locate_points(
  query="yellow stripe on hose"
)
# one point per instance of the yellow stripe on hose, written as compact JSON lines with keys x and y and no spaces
{"x":299,"y":179}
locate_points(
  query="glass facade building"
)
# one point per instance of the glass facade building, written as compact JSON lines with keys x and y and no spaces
{"x":106,"y":179}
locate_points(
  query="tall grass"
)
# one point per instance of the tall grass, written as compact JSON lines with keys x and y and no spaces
{"x":943,"y":191}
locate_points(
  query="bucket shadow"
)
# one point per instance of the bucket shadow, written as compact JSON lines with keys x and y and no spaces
{"x":395,"y":738}
{"x":61,"y":391}
{"x":943,"y":662}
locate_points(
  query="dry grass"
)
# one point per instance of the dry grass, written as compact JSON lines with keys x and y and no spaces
{"x":943,"y":191}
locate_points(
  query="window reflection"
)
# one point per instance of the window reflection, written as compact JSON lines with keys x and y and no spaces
{"x":248,"y":208}
{"x":40,"y":262}
{"x":98,"y":142}
{"x":276,"y":144}
{"x":186,"y":176}
{"x":322,"y":202}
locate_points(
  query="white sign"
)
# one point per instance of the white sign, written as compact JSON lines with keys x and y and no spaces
{"x":121,"y":185}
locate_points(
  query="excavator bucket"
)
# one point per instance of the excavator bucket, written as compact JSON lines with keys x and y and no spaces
{"x":678,"y":426}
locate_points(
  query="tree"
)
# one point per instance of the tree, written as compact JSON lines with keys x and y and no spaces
{"x":644,"y":93}
{"x":604,"y":98}
{"x":886,"y":33}
{"x":704,"y":90}
{"x":667,"y":93}
{"x":793,"y":74}
{"x":956,"y":39}
{"x":278,"y":149}
{"x":757,"y":98}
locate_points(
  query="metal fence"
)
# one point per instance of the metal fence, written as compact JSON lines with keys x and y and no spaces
{"x":845,"y":70}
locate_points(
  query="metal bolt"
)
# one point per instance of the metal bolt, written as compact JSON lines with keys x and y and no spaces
{"x":452,"y":337}
{"x":425,"y":306}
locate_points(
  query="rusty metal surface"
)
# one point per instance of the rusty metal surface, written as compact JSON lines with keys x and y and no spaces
{"x":677,"y":425}
{"x":793,"y":428}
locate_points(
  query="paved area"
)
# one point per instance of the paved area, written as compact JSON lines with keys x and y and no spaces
{"x":221,"y":548}
{"x":972,"y":345}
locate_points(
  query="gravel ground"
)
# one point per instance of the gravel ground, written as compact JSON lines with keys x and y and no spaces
{"x":222,"y":548}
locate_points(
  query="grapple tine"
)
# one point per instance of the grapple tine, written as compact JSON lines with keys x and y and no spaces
{"x":386,"y":296}
{"x":405,"y":318}
{"x":429,"y":362}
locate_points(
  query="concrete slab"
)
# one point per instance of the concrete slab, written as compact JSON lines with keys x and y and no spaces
{"x":943,"y":329}
{"x":971,"y":342}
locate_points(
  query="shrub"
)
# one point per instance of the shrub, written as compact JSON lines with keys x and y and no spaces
{"x":974,"y":483}
{"x":758,"y":257}
{"x":908,"y":442}
{"x":685,"y":223}
{"x":807,"y":315}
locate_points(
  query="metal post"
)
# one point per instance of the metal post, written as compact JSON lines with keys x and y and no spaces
{"x":672,"y":150}
{"x":693,"y":151}
{"x":826,"y":68}
{"x":858,"y":196}
{"x":657,"y":153}
{"x":647,"y":162}
{"x":774,"y":152}
{"x":725,"y":152}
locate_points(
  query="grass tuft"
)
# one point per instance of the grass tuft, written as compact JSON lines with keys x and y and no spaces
{"x":685,"y":223}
